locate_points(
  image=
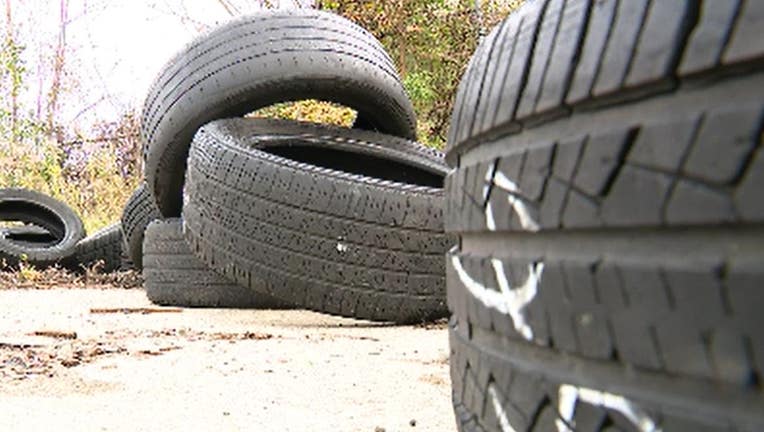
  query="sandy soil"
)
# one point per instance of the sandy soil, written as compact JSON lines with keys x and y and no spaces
{"x":92,"y":360}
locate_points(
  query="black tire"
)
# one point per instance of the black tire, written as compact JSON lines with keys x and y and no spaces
{"x":610,"y":216}
{"x":139,"y":212}
{"x":173,"y":276}
{"x":254,"y":62}
{"x":43,"y":212}
{"x":268,"y":205}
{"x":104,"y":249}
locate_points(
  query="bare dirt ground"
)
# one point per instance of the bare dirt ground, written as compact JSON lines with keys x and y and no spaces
{"x":108,"y":360}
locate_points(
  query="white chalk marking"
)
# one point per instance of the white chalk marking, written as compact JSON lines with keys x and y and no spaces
{"x":566,"y":407}
{"x":519,"y":298}
{"x":499,"y":410}
{"x":570,"y":395}
{"x":490,"y":222}
{"x":490,"y":298}
{"x":526,"y":220}
{"x":505,"y":300}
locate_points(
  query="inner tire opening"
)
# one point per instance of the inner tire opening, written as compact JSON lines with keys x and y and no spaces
{"x":360,"y":164}
{"x":35,"y":219}
{"x":30,"y":234}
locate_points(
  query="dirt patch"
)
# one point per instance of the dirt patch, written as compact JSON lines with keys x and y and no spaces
{"x":211,"y":369}
{"x":25,"y":361}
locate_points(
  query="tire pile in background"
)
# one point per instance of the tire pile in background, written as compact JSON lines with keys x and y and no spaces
{"x":605,"y":202}
{"x":251,"y":212}
{"x":246,"y":212}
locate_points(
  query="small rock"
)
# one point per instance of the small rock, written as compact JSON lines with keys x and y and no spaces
{"x":412,"y":423}
{"x":379,"y":429}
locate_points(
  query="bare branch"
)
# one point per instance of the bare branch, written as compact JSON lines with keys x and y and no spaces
{"x":229,"y":8}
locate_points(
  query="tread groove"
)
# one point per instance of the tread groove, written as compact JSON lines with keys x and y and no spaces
{"x":529,"y":63}
{"x":548,"y":60}
{"x":504,"y":79}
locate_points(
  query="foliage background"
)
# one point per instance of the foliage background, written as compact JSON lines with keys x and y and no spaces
{"x":96,"y":170}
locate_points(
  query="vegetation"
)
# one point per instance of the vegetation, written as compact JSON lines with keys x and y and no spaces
{"x":95,"y":172}
{"x":431,"y":42}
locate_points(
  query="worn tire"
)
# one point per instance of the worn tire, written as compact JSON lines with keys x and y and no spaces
{"x":254,"y":62}
{"x":139,"y":212}
{"x":39,"y":210}
{"x":173,"y":276}
{"x":104,"y":249}
{"x":297,"y":227}
{"x":607,"y":197}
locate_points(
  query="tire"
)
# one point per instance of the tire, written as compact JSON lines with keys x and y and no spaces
{"x":173,"y":276}
{"x":254,"y":62}
{"x":38,"y":211}
{"x":104,"y":249}
{"x":268,"y":205}
{"x":606,"y":199}
{"x":139,"y":212}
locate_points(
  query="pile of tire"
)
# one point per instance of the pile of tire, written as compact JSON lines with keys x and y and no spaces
{"x":607,"y":201}
{"x":245,"y":212}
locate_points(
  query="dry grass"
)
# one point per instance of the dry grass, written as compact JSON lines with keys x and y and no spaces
{"x":27,"y":277}
{"x":97,"y":191}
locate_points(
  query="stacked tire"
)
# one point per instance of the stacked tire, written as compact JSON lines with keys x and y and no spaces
{"x":341,"y":221}
{"x":609,"y":269}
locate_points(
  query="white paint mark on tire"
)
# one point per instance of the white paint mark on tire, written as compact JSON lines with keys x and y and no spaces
{"x":506,"y":300}
{"x":489,"y":297}
{"x":566,"y":407}
{"x":499,"y":410}
{"x":570,"y":395}
{"x":518,"y":205}
{"x":519,"y":298}
{"x":513,"y":302}
{"x":490,"y":222}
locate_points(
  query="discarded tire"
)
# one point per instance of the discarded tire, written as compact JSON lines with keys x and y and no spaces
{"x":607,"y":198}
{"x":139,"y":212}
{"x":254,"y":62}
{"x":103,"y":250}
{"x":42,"y":212}
{"x":173,"y":276}
{"x":336,"y":220}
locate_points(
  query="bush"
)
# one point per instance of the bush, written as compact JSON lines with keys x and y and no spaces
{"x":431,"y":42}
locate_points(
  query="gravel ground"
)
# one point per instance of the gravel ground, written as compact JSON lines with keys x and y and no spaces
{"x":107,"y":360}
